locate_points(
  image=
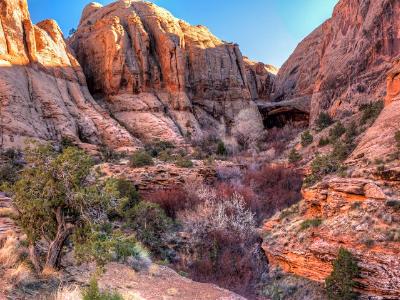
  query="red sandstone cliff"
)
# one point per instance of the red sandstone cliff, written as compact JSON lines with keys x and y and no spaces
{"x":160,"y":76}
{"x":43,"y":92}
{"x":344,"y":62}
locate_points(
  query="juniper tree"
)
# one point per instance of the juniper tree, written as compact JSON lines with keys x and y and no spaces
{"x":55,"y":195}
{"x":340,"y":284}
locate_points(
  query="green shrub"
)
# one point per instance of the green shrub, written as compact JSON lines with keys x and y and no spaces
{"x":157,"y":147}
{"x":221,"y":149}
{"x":306,"y":138}
{"x":340,"y":284}
{"x":324,"y":165}
{"x":395,"y":204}
{"x":101,"y":244}
{"x":183,"y":162}
{"x":108,"y":155}
{"x":337,"y":131}
{"x":397,"y":139}
{"x":10,"y":166}
{"x":125,"y":191}
{"x":310,"y":223}
{"x":294,"y":209}
{"x":141,"y":159}
{"x":323,"y":142}
{"x":323,"y":121}
{"x":92,"y":292}
{"x":341,"y":150}
{"x":351,"y":133}
{"x":294,"y":156}
{"x":369,"y":243}
{"x":150,"y":224}
{"x":67,"y":142}
{"x":166,"y":155}
{"x":371,"y":111}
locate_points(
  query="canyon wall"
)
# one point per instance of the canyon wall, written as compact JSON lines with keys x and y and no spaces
{"x":344,"y":62}
{"x":354,"y":214}
{"x":161,"y":77}
{"x":351,"y":59}
{"x":146,"y":75}
{"x":43,"y":91}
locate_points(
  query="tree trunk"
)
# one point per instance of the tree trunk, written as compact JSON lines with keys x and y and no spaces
{"x":34,"y":257}
{"x":55,"y":248}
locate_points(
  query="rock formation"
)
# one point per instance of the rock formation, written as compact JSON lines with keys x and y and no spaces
{"x":159,"y":76}
{"x":43,"y":92}
{"x":260,"y":78}
{"x":354,"y":214}
{"x":359,"y":212}
{"x":164,"y":175}
{"x":344,"y":62}
{"x":379,"y":142}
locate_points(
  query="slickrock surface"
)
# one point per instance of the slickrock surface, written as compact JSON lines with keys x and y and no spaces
{"x":354,"y":215}
{"x":344,"y":62}
{"x":158,"y":283}
{"x":43,"y":92}
{"x":158,"y":75}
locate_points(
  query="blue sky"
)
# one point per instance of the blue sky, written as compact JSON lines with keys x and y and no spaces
{"x":266,"y":30}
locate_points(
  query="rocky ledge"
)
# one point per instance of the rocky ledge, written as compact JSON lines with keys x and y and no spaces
{"x":357,"y":214}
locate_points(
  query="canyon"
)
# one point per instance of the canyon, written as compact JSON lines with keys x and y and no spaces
{"x":132,"y":73}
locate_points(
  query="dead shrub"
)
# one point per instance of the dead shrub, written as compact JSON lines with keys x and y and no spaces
{"x":277,"y":187}
{"x":223,"y":243}
{"x":279,"y":138}
{"x":172,"y":200}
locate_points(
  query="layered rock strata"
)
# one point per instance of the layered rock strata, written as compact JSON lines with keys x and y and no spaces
{"x":354,"y":214}
{"x":344,"y":62}
{"x":43,"y":91}
{"x":161,"y":77}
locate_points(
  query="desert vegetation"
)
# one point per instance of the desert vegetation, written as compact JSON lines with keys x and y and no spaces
{"x":341,"y":283}
{"x":58,"y":192}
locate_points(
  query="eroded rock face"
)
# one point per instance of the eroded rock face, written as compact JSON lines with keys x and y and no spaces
{"x":354,"y":215}
{"x":164,"y":175}
{"x":344,"y":62}
{"x":158,"y":74}
{"x":43,"y":92}
{"x":379,"y":142}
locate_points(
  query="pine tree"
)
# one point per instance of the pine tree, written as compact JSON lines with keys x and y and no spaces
{"x":340,"y":284}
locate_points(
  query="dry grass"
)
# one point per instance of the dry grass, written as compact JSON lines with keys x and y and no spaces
{"x":14,"y":269}
{"x":68,"y":293}
{"x":21,"y":273}
{"x":10,"y":252}
{"x":6,"y":212}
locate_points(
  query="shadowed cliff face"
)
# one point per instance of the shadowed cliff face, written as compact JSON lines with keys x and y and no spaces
{"x":344,"y":62}
{"x":160,"y":75}
{"x":43,"y":92}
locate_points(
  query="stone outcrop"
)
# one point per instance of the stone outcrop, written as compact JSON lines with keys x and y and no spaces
{"x":278,"y":114}
{"x":159,"y":76}
{"x":164,"y":175}
{"x":355,"y":214}
{"x":378,"y":143}
{"x":260,"y":78}
{"x":344,"y":62}
{"x":43,"y":91}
